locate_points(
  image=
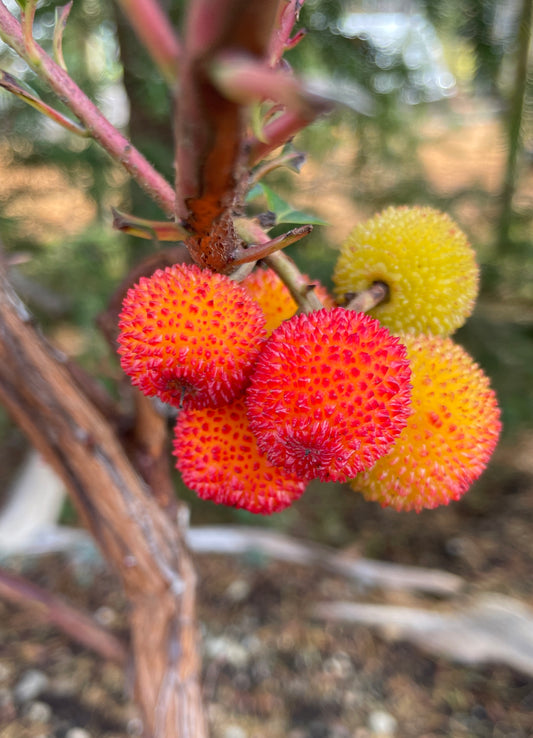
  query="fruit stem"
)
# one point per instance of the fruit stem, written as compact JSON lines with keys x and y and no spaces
{"x":302,"y":292}
{"x":365,"y":300}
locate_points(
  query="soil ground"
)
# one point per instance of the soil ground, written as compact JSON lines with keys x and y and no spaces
{"x":273,"y":671}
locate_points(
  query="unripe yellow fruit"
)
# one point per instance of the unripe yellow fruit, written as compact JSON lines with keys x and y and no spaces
{"x":425,"y":260}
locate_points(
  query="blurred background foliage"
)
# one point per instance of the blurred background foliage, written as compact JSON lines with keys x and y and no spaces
{"x":434,"y":108}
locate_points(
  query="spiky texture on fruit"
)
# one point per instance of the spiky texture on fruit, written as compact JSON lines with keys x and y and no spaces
{"x":450,"y":436}
{"x":426,"y":261}
{"x":329,"y":394}
{"x":218,"y":458}
{"x":189,"y":336}
{"x":274,"y":297}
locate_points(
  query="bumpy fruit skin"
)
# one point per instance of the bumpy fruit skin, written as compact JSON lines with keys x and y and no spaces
{"x":218,"y":458}
{"x":274,"y":297}
{"x":426,"y":261}
{"x":329,"y":394}
{"x":189,"y":336}
{"x":449,"y":438}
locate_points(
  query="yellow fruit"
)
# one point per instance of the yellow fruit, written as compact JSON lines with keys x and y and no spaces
{"x":426,"y":261}
{"x":449,"y":438}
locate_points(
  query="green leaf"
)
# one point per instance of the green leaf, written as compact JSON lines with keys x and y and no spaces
{"x":255,"y":192}
{"x":284,"y":212}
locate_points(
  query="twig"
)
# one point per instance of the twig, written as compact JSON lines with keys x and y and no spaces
{"x":288,"y":13}
{"x":300,"y":289}
{"x":9,"y":83}
{"x":238,"y":540}
{"x":365,"y":300}
{"x":154,"y":30}
{"x":263,"y":249}
{"x":302,"y":292}
{"x":27,"y":18}
{"x":492,"y":628}
{"x":116,"y":145}
{"x":62,"y":15}
{"x":291,"y":159}
{"x":76,"y":624}
{"x":155,"y":230}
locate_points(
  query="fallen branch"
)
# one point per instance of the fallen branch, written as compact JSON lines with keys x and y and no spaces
{"x":491,"y":628}
{"x":76,"y":624}
{"x":236,"y":540}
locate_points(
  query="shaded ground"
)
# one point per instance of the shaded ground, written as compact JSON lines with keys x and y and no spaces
{"x":273,"y":671}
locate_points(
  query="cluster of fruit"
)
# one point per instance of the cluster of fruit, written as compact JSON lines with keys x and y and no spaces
{"x":269,"y":399}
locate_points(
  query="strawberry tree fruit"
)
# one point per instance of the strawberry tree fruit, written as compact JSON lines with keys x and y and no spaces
{"x":190,"y":336}
{"x":449,"y":438}
{"x":219,"y":459}
{"x":329,"y":394}
{"x":424,"y":259}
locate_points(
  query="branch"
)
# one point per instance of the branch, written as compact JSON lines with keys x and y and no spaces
{"x":139,"y":540}
{"x":301,"y":291}
{"x":209,"y":147}
{"x":156,"y":34}
{"x":288,"y":13}
{"x":76,"y":624}
{"x":491,"y":628}
{"x":61,"y":17}
{"x":9,"y":83}
{"x":116,"y":145}
{"x":239,"y":540}
{"x":150,"y":229}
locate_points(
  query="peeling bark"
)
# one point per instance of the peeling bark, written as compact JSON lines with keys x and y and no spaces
{"x":145,"y":547}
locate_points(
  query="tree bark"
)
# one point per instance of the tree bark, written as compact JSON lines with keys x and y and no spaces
{"x":146,"y":548}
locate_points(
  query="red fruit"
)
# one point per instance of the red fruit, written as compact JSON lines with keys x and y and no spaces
{"x":329,"y":394}
{"x":218,"y":458}
{"x":189,"y":336}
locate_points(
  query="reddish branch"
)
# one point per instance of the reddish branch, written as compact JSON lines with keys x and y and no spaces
{"x":155,"y":32}
{"x":97,"y":125}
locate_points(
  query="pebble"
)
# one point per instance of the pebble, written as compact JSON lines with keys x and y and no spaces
{"x":39,"y":712}
{"x":238,"y":590}
{"x":134,"y":726}
{"x":382,"y":724}
{"x":233,"y":731}
{"x":106,"y":616}
{"x":77,"y":733}
{"x":30,"y":685}
{"x":338,"y":666}
{"x":226,"y":649}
